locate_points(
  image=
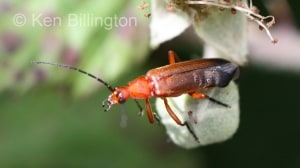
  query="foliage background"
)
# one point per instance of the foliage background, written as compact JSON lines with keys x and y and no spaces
{"x":51,"y":117}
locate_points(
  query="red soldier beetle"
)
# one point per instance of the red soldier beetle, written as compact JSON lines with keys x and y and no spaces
{"x":187,"y":77}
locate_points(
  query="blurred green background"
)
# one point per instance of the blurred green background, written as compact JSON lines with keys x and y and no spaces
{"x":50,"y":117}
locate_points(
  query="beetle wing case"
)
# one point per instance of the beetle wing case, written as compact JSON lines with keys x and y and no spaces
{"x":189,"y":76}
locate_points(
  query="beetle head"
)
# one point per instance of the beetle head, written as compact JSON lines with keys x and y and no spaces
{"x":118,"y":96}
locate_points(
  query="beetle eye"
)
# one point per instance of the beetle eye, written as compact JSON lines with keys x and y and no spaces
{"x":121,"y":99}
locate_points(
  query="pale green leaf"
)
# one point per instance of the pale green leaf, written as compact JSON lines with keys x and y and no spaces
{"x":209,"y":121}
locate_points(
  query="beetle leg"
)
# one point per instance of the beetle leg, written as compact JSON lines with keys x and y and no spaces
{"x":171,"y":113}
{"x":191,"y":131}
{"x":141,"y":112}
{"x":149,"y":111}
{"x":176,"y":119}
{"x":156,"y":117}
{"x":197,"y":95}
{"x":172,"y":57}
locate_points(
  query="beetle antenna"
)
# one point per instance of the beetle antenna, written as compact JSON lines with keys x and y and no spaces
{"x":76,"y":69}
